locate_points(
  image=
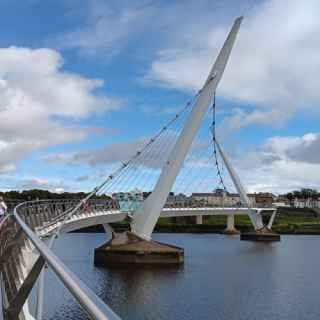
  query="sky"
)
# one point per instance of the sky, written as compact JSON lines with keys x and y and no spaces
{"x":83,"y":84}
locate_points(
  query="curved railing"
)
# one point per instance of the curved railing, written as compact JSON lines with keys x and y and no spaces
{"x":23,"y":254}
{"x":43,"y":213}
{"x":13,"y":245}
{"x":86,"y":208}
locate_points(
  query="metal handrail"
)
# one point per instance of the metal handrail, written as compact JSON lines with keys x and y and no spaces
{"x":61,"y":217}
{"x":90,"y":302}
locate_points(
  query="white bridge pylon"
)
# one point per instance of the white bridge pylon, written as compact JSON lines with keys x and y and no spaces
{"x":255,"y":216}
{"x":145,"y":218}
{"x":23,"y":253}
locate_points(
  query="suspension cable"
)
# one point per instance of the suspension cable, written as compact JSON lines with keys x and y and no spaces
{"x":216,"y":160}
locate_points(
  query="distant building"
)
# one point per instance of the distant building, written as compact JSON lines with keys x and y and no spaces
{"x":297,"y":202}
{"x":129,"y":201}
{"x":282,"y":201}
{"x":220,"y":198}
{"x":171,"y":198}
{"x":211,"y":199}
{"x":306,"y":203}
{"x":264,"y":199}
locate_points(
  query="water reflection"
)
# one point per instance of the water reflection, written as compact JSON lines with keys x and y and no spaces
{"x":136,"y":284}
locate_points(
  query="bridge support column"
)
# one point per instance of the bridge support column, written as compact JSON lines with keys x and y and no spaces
{"x":264,"y":234}
{"x":199,"y":219}
{"x":230,"y":225}
{"x":108,"y":230}
{"x":128,"y":248}
{"x":273,"y":215}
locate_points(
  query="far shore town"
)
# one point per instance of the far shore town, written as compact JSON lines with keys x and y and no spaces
{"x":304,"y":198}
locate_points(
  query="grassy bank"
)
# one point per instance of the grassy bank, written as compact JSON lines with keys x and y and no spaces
{"x":283,"y":224}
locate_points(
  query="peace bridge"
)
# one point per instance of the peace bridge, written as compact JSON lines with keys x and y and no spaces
{"x":28,"y":234}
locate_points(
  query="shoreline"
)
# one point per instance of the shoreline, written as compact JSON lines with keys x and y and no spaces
{"x":307,"y":229}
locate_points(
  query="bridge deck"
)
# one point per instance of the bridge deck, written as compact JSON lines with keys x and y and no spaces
{"x":98,"y":217}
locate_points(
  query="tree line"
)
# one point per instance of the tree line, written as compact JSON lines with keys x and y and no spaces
{"x":38,"y":194}
{"x":304,"y":193}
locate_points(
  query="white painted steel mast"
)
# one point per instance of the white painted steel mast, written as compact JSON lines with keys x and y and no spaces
{"x":145,"y":218}
{"x":254,"y":217}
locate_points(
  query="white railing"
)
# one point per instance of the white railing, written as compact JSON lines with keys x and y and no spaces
{"x":23,"y":254}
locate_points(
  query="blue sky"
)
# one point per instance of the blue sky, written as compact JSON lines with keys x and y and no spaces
{"x":78,"y":78}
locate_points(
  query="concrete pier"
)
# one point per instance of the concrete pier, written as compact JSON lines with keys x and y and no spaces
{"x":230,"y":226}
{"x":263,"y":235}
{"x":199,"y":219}
{"x":128,"y":248}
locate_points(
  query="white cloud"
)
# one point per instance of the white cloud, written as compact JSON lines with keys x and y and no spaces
{"x":119,"y":152}
{"x":35,"y":95}
{"x":274,"y":64}
{"x":282,"y":164}
{"x":239,"y":119}
{"x":109,"y":27}
{"x":42,"y":184}
{"x":34,"y":183}
{"x":274,"y":67}
{"x":153,"y":156}
{"x":304,"y":149}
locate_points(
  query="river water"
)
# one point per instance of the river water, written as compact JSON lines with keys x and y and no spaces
{"x":222,"y":278}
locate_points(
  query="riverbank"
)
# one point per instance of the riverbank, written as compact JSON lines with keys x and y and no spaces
{"x":283,"y":224}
